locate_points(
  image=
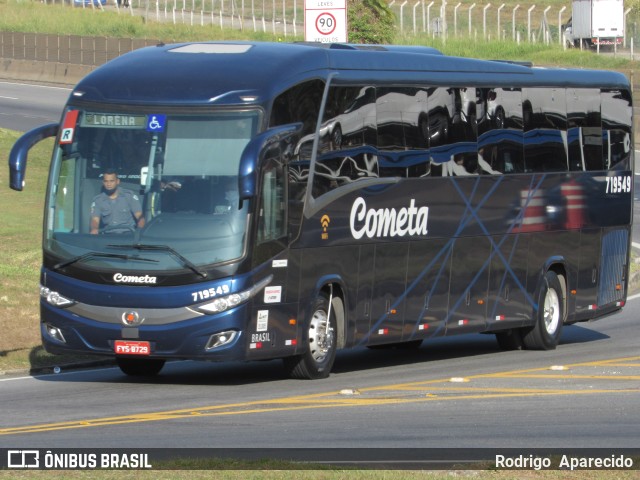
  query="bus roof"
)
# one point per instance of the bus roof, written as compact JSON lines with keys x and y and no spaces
{"x":242,"y":73}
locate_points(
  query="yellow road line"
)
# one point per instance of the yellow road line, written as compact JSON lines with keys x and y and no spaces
{"x":596,"y":377}
{"x":287,"y":406}
{"x":333,"y":399}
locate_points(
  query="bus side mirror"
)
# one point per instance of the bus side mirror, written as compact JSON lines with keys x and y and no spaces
{"x":255,"y":152}
{"x":20,"y":151}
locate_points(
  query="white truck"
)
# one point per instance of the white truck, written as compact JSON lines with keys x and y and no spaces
{"x":595,"y":22}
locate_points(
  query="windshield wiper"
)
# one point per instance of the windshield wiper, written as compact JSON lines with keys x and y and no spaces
{"x":164,"y":248}
{"x":99,"y":254}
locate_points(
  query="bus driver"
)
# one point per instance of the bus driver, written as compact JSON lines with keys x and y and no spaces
{"x":115,"y":209}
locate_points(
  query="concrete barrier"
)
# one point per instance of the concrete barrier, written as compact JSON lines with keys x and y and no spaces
{"x":44,"y":72}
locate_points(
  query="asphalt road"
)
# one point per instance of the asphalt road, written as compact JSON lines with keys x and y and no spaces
{"x":459,"y":392}
{"x":23,"y":107}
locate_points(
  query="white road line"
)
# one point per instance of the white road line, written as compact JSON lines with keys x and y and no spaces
{"x":8,"y":98}
{"x":71,"y":372}
{"x":37,"y":86}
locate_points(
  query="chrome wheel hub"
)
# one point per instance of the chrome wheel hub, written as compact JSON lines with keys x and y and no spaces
{"x":320,"y":336}
{"x":551,"y":312}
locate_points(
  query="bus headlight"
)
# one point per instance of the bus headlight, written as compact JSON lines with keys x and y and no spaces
{"x":221,"y":304}
{"x":54,"y":298}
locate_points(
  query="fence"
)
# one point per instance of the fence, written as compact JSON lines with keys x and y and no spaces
{"x":286,"y":17}
{"x":530,"y":23}
{"x":526,"y":22}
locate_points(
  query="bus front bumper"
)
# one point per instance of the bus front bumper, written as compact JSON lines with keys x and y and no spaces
{"x":209,"y":337}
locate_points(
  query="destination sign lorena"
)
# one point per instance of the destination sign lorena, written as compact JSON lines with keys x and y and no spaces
{"x":110,"y":120}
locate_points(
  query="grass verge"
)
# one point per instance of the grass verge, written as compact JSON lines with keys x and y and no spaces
{"x":230,"y":473}
{"x":31,"y":17}
{"x":20,"y":259}
{"x":20,"y":256}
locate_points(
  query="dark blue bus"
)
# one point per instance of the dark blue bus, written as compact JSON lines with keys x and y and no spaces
{"x":289,"y":200}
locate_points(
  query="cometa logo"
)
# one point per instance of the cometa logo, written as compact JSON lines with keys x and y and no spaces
{"x":387,"y":222}
{"x":120,"y":278}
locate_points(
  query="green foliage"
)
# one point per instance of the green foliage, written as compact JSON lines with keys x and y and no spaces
{"x":21,"y":252}
{"x":31,"y":17}
{"x":634,"y":5}
{"x":370,"y":21}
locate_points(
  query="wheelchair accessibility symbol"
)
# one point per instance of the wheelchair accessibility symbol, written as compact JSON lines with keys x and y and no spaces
{"x":156,"y":123}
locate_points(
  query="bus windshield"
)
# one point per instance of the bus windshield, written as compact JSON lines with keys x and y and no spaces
{"x":142,"y":190}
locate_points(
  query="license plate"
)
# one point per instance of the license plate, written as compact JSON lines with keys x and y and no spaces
{"x":132,"y":348}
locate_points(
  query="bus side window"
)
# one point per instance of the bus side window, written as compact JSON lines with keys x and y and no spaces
{"x":452,"y":127}
{"x":616,"y":128}
{"x":545,"y":129}
{"x":438,"y":128}
{"x":402,"y":126}
{"x":584,"y":129}
{"x":272,"y":211}
{"x":500,"y":136}
{"x":347,"y":144}
{"x":298,"y":104}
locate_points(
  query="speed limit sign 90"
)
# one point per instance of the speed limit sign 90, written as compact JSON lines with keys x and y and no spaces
{"x":325,"y":21}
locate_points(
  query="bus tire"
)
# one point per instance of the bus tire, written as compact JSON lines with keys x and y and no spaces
{"x":317,"y":360}
{"x":545,"y":333}
{"x":140,"y":367}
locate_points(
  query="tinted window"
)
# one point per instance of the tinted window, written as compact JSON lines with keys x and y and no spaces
{"x":347,"y":143}
{"x":500,"y":137}
{"x":545,"y":129}
{"x":299,"y":104}
{"x":402,"y":131}
{"x":453,"y":131}
{"x":584,"y":132}
{"x":616,"y":128}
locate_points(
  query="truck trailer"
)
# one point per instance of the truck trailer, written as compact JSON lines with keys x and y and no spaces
{"x":595,"y":23}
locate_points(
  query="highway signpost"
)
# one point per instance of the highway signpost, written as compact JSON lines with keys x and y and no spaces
{"x":325,"y":21}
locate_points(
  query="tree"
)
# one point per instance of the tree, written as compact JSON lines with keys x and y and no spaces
{"x":370,"y":21}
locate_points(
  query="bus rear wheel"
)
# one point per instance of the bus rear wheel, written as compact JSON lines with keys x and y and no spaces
{"x":317,"y":361}
{"x":545,"y":334}
{"x":140,"y":367}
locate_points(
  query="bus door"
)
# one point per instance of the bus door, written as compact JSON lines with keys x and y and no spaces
{"x":273,"y":326}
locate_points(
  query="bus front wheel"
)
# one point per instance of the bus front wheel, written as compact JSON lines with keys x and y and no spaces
{"x":545,"y":333}
{"x":317,"y":361}
{"x":138,"y":367}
